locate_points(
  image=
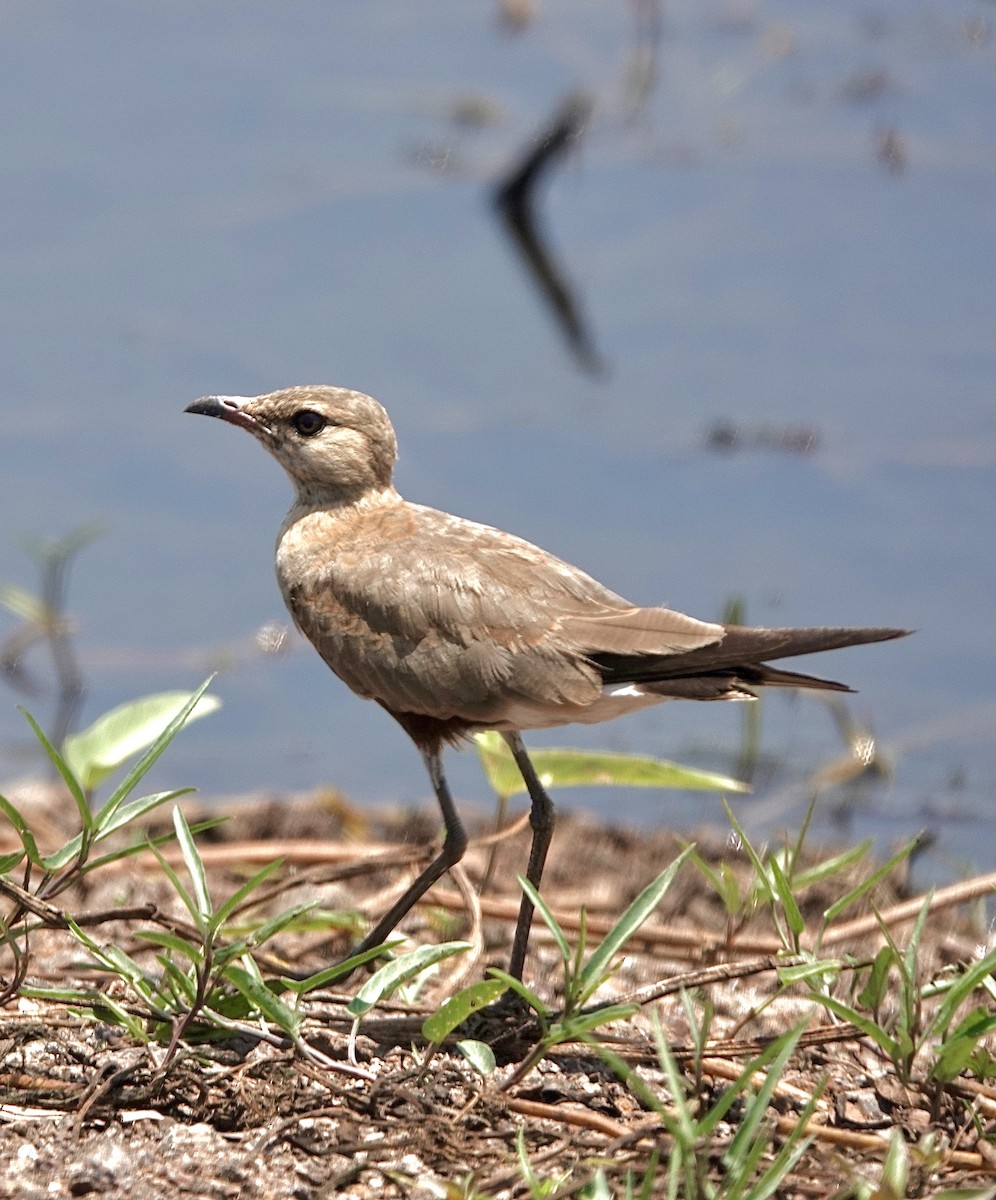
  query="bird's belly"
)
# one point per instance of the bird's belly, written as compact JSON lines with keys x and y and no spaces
{"x":614,"y":702}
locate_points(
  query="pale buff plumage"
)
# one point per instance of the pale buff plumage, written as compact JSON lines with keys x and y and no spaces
{"x":454,"y":626}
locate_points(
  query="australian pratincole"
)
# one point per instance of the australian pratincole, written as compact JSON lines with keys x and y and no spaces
{"x":455,"y":627}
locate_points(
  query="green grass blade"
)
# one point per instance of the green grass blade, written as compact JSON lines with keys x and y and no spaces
{"x":178,"y":886}
{"x":171,"y":941}
{"x":140,"y":847}
{"x":632,"y":919}
{"x":65,"y":771}
{"x":762,"y":880}
{"x":881,"y":1037}
{"x":135,"y":809}
{"x":783,"y":890}
{"x":680,"y":1122}
{"x":578,"y":1027}
{"x":549,"y":920}
{"x":756,"y":1109}
{"x":959,"y":1045}
{"x":328,"y":975}
{"x":277,"y":924}
{"x":973,"y":976}
{"x":866,"y":885}
{"x":247,"y":888}
{"x":876,"y":987}
{"x":521,"y":990}
{"x":832,"y":866}
{"x":723,"y":882}
{"x":791,"y":1151}
{"x":21,"y":828}
{"x":822,"y":969}
{"x":195,"y":867}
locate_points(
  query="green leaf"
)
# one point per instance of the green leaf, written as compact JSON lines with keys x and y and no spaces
{"x":393,"y":974}
{"x":251,"y":984}
{"x":756,"y":1109}
{"x":94,"y":1002}
{"x":94,"y":864}
{"x":479,"y":1054}
{"x":283,"y":920}
{"x":975,"y":975}
{"x":877,"y":985}
{"x":895,"y":1166}
{"x":584,"y":768}
{"x":125,"y":814}
{"x":328,"y":975}
{"x":762,"y":878}
{"x":459,"y":1007}
{"x":189,"y":902}
{"x":955,"y":1053}
{"x":125,"y":731}
{"x":171,"y":941}
{"x":820,"y":969}
{"x":9,"y":861}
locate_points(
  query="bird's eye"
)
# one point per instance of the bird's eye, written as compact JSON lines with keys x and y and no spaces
{"x":308,"y":423}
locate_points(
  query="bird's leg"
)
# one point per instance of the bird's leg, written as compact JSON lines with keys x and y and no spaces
{"x":541,"y":818}
{"x":454,"y":845}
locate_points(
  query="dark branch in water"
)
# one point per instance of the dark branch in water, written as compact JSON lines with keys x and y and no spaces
{"x":515,"y":201}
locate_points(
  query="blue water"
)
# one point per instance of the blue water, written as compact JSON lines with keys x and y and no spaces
{"x":230,"y":199}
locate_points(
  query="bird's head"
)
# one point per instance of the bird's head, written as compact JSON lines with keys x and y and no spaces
{"x":335,"y":444}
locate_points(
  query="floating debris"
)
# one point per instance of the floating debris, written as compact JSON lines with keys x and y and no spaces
{"x":891,"y":151}
{"x":725,"y":437}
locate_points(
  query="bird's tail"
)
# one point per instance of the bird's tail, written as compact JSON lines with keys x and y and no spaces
{"x":733,"y":667}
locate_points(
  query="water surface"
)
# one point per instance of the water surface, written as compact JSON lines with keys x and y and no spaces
{"x":789,"y":229}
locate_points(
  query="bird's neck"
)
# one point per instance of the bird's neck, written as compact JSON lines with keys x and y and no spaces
{"x":337,"y":500}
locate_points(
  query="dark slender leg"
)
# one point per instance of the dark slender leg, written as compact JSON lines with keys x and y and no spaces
{"x":453,"y":850}
{"x":541,"y":818}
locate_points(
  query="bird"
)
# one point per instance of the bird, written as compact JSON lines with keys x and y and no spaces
{"x":455,"y":627}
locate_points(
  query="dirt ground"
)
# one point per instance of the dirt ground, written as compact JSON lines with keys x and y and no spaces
{"x":85,"y":1109}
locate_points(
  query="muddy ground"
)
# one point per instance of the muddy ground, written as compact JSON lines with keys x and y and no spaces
{"x":87,"y":1109}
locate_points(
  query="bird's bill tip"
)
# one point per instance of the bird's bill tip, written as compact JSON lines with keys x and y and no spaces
{"x":228,"y":408}
{"x":217,"y":406}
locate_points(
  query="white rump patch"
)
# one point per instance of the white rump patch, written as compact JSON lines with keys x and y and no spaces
{"x":611,"y":703}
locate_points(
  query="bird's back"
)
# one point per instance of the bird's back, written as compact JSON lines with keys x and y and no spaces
{"x":431,"y":613}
